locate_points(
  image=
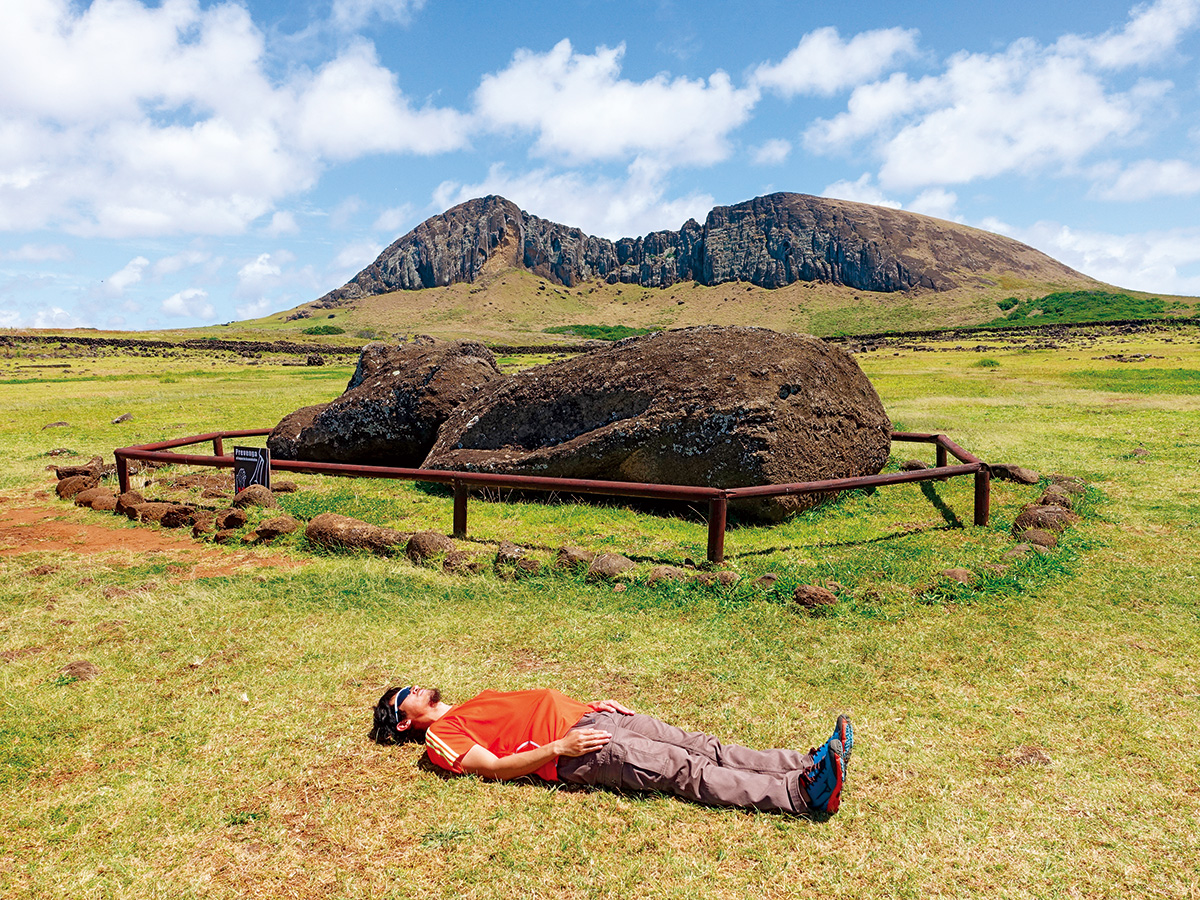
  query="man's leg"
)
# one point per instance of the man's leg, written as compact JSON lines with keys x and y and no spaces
{"x":635,"y":761}
{"x":730,"y":756}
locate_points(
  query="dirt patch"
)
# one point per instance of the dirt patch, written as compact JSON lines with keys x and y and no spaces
{"x":34,"y":528}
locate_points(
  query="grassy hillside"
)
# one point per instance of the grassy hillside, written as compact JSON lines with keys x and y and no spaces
{"x":1031,"y":735}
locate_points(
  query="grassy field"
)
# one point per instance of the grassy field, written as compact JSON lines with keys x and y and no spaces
{"x":1033,"y":734}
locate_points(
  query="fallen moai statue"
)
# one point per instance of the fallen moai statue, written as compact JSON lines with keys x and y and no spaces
{"x":393,"y":406}
{"x":712,"y":406}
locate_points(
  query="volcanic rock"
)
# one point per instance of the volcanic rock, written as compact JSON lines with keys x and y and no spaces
{"x":607,"y":566}
{"x":73,"y":484}
{"x":1046,"y":518}
{"x":338,"y":532}
{"x":393,"y":406}
{"x":709,"y":406}
{"x":255,"y":495}
{"x":666,"y":573}
{"x":811,"y":596}
{"x":425,"y":545}
{"x":276,"y":526}
{"x":573,"y":558}
{"x":1039,"y":537}
{"x":230,"y":518}
{"x":88,"y":496}
{"x":1008,"y":472}
{"x":127,"y":501}
{"x":769,"y":241}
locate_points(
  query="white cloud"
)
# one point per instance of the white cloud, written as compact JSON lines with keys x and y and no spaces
{"x":603,"y":207}
{"x":357,"y":256}
{"x":1146,"y":261}
{"x":51,"y":317}
{"x":257,"y":309}
{"x":582,"y":110}
{"x":1153,"y":30}
{"x":117,"y":283}
{"x":38,"y":253}
{"x":122,"y":119}
{"x":1023,"y":109}
{"x":772,"y":152}
{"x":822,"y":63}
{"x":935,"y":202}
{"x":353,"y":14}
{"x":394,"y":219}
{"x":281,"y":223}
{"x":861,"y":190}
{"x":1154,"y":178}
{"x":177,"y":262}
{"x":191,"y":303}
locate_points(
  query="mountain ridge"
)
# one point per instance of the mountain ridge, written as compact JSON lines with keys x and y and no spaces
{"x":770,"y":241}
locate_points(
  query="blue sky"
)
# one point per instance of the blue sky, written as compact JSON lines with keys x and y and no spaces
{"x":186,"y":163}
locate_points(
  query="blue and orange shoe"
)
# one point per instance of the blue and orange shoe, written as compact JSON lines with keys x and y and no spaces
{"x":843,"y":731}
{"x":823,"y":780}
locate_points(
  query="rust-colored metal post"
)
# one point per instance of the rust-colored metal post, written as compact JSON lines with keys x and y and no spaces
{"x":123,"y":473}
{"x":983,"y":495}
{"x":717,"y":509}
{"x":460,"y":509}
{"x":941,"y":455}
{"x":218,"y":446}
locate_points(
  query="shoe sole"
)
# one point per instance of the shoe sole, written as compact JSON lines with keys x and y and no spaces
{"x":844,"y":731}
{"x":839,"y":770}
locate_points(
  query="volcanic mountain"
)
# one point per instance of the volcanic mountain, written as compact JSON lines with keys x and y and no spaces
{"x":770,"y":241}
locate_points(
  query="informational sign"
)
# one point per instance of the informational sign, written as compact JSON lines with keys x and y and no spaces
{"x":251,"y":465}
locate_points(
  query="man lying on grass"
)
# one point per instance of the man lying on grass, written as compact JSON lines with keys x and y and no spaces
{"x":545,"y":733}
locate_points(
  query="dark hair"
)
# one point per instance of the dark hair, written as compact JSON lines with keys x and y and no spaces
{"x":383,"y":729}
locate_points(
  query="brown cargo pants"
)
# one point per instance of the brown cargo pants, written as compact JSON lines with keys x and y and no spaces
{"x":646,"y":754}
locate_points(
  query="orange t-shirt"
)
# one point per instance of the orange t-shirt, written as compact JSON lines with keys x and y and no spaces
{"x":504,"y":722}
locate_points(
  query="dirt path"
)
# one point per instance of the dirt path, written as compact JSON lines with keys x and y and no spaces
{"x":36,"y":523}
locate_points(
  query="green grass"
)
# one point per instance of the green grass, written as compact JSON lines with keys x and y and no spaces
{"x":598,"y":332}
{"x":222,"y":752}
{"x":1080,"y":306}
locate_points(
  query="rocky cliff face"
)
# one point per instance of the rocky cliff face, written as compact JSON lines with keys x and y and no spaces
{"x":769,"y":241}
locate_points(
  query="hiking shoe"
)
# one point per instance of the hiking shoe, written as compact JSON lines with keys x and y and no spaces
{"x":823,"y":779}
{"x":843,"y":731}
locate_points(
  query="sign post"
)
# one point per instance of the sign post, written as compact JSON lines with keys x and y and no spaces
{"x":251,"y":465}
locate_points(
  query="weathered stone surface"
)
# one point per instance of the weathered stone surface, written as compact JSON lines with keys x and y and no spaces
{"x":203,"y":523}
{"x":569,"y":557}
{"x":1055,"y":497}
{"x":255,"y":495}
{"x":1039,"y":537}
{"x":224,"y":535}
{"x":1008,"y":472}
{"x":425,"y":545}
{"x":88,"y":496}
{"x":607,"y":566}
{"x":127,"y":501}
{"x":337,"y":532}
{"x":230,"y":518}
{"x":1046,"y":518}
{"x":709,"y":406}
{"x":913,"y":465}
{"x":283,"y":487}
{"x":666,"y":573}
{"x":812,"y":596}
{"x":769,"y":241}
{"x":93,"y":469}
{"x":962,"y":576}
{"x":169,"y":515}
{"x":104,"y":503}
{"x":767,"y":581}
{"x":394,"y":405}
{"x":1071,"y":484}
{"x":276,"y":526}
{"x":723,"y":577}
{"x":463,"y":562}
{"x":68,"y":487}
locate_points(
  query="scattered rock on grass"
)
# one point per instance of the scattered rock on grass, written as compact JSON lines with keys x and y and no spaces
{"x":462,"y":562}
{"x":811,"y":596}
{"x":665,"y":573}
{"x":337,"y":532}
{"x":573,"y":558}
{"x":203,"y":523}
{"x":124,"y":417}
{"x":68,"y":487}
{"x":607,"y":566}
{"x":45,"y":569}
{"x":1071,"y":484}
{"x":105,"y":503}
{"x":255,"y":495}
{"x":912,"y":465}
{"x":88,"y":496}
{"x":229,"y":519}
{"x":424,"y":545}
{"x":723,"y":577}
{"x":1048,"y":518}
{"x":1055,"y":497}
{"x":127,"y":501}
{"x":276,"y":527}
{"x":80,"y":670}
{"x":1008,"y":472}
{"x":284,"y":487}
{"x":962,"y":576}
{"x":1039,"y":537}
{"x":767,"y":581}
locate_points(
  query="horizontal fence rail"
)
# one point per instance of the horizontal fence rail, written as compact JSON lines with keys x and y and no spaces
{"x":716,"y":498}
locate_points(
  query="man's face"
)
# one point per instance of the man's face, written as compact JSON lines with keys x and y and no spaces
{"x":417,"y":709}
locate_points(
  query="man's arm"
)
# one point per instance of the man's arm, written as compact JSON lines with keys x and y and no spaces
{"x":609,"y":706}
{"x":576,"y":742}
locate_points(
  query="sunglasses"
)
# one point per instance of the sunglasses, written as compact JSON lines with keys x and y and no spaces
{"x":399,"y":697}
